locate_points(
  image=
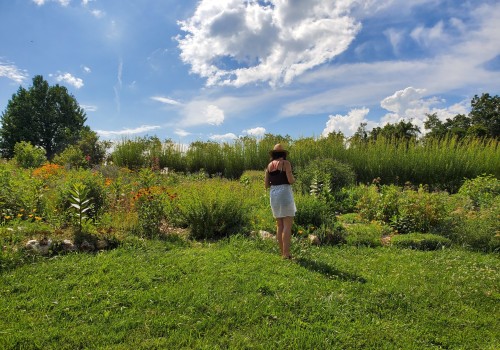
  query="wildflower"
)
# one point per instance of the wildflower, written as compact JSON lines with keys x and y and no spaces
{"x":37,"y":218}
{"x":301,"y":232}
{"x":7,"y":217}
{"x":19,"y":215}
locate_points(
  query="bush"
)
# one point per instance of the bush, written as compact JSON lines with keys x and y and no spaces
{"x":72,"y":157}
{"x":211,"y":209}
{"x":420,"y":241}
{"x":379,"y":204}
{"x":482,"y":190}
{"x":28,"y":156}
{"x":311,"y":210}
{"x":478,"y":230}
{"x":367,"y":235}
{"x":329,"y":175}
{"x":150,"y":210}
{"x":332,"y":234}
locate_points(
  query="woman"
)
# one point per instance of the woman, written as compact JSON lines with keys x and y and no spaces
{"x":279,"y":177}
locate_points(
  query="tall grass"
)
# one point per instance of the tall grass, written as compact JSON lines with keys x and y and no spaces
{"x":441,"y":164}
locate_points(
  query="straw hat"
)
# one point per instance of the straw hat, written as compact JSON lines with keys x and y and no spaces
{"x":278,"y":148}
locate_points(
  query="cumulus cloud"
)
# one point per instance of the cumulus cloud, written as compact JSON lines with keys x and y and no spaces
{"x":411,"y":104}
{"x":226,"y":137}
{"x":236,"y":42}
{"x":257,"y":132}
{"x":165,"y":100}
{"x":10,"y":71}
{"x":347,"y":124}
{"x":139,"y":130}
{"x":69,"y":79}
{"x":214,"y":115}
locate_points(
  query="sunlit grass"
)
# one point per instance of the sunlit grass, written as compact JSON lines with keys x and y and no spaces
{"x":241,"y":294}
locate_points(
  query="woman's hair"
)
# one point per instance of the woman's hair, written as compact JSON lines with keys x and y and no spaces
{"x":277,"y":155}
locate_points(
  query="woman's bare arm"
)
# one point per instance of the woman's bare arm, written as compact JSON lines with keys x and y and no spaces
{"x":289,"y":175}
{"x":267,"y":182}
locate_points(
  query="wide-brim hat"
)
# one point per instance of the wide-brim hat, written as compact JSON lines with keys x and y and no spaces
{"x":278,"y":148}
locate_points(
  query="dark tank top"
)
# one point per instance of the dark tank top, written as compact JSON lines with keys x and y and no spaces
{"x":278,"y":177}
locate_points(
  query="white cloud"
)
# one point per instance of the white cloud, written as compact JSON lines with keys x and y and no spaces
{"x":403,"y":100}
{"x":165,"y":100}
{"x":347,"y":124}
{"x":97,"y":13}
{"x":410,"y":104}
{"x":395,"y":38}
{"x":181,"y":133}
{"x":61,"y":2}
{"x":89,"y":108}
{"x":139,"y":130}
{"x":214,"y":115}
{"x":226,"y":137}
{"x":428,"y":36}
{"x":257,"y":132}
{"x":69,"y":79}
{"x":10,"y":71}
{"x":86,"y":69}
{"x":235,"y":43}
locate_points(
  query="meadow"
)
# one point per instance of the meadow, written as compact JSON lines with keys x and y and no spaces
{"x":404,"y":255}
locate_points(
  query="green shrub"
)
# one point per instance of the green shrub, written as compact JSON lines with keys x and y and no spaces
{"x":380,"y":204}
{"x":28,"y":156}
{"x":150,"y":210}
{"x":367,"y":235}
{"x":311,"y":210}
{"x":346,"y":200}
{"x":420,"y":211}
{"x":93,"y":182}
{"x":72,"y":158}
{"x":478,"y":230}
{"x":331,"y":234}
{"x":212,"y":209}
{"x":327,"y":175}
{"x":420,"y":241}
{"x":482,"y":190}
{"x":130,"y":154}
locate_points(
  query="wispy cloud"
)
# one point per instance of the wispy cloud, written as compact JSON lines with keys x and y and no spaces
{"x":118,"y":86}
{"x":89,"y":108}
{"x":61,"y":2}
{"x":10,"y":71}
{"x":165,"y":100}
{"x":181,"y":133}
{"x":140,"y":130}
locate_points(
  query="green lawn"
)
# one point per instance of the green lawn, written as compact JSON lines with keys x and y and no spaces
{"x":240,"y":294}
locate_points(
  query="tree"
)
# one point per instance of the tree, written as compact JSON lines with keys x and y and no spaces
{"x":485,"y":115}
{"x":43,"y":115}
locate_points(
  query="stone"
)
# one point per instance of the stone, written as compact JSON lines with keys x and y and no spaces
{"x":68,"y":246}
{"x":265,"y":235}
{"x":101,"y":244}
{"x":33,"y":245}
{"x":87,"y":246}
{"x":314,"y":240}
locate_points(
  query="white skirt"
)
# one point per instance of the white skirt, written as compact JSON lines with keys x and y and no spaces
{"x":282,"y":203}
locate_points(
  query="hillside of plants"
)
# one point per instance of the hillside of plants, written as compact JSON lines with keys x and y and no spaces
{"x":151,"y":244}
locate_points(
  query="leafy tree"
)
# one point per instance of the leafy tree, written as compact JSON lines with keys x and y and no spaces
{"x":28,"y":156}
{"x":485,"y":114}
{"x":93,"y":149}
{"x":43,"y":115}
{"x":402,"y":131}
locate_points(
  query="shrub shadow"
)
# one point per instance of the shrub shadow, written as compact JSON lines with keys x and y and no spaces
{"x":329,"y":271}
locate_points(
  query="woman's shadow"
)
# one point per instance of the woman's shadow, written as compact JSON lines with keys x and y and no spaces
{"x":329,"y":271}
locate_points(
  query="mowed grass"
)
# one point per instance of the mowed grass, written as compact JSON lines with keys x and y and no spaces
{"x":239,"y":294}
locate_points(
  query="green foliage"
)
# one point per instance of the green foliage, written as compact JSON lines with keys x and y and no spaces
{"x":94,"y":151}
{"x":28,"y":156}
{"x":368,"y":235}
{"x":324,"y":176}
{"x":420,"y":241}
{"x":45,"y":116}
{"x":332,"y":233}
{"x":213,"y":209}
{"x":71,"y":157}
{"x":130,"y":154}
{"x":80,"y":204}
{"x":483,"y":190}
{"x":94,"y":184}
{"x":150,"y":210}
{"x":485,"y":114}
{"x":311,"y":210}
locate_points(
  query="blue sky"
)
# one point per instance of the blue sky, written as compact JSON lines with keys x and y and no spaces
{"x":219,"y":69}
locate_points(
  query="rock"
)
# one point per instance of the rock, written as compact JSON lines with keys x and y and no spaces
{"x":33,"y":245}
{"x":87,"y":246}
{"x":265,"y":235}
{"x":40,"y":247}
{"x":68,"y":246}
{"x":102,"y":244}
{"x":314,"y":240}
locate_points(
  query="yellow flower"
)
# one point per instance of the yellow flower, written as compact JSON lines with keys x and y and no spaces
{"x":19,"y":215}
{"x":38,"y":218}
{"x":7,"y":217}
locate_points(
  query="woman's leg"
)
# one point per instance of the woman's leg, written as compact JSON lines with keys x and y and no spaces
{"x":287,"y":236}
{"x":279,"y":233}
